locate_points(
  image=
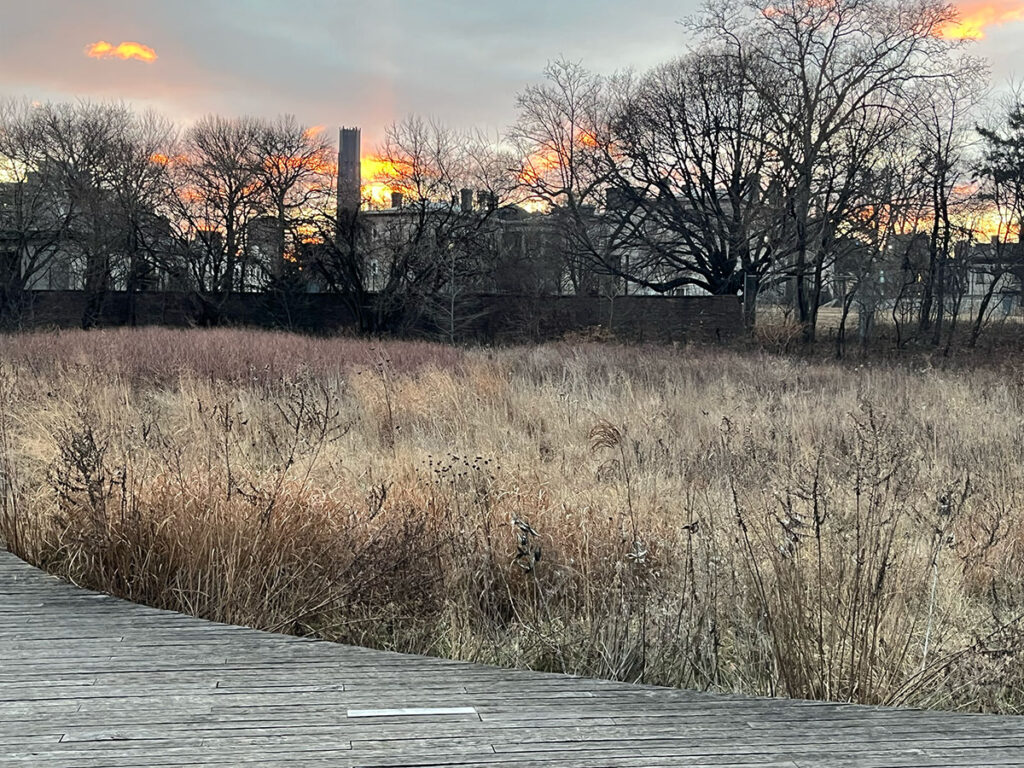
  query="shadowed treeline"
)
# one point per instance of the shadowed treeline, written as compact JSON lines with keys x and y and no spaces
{"x":835,"y":154}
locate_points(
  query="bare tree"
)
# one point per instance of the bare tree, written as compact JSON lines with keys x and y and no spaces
{"x":295,"y":171}
{"x":78,"y":145}
{"x":691,"y":175}
{"x":35,"y":216}
{"x":873,"y":253}
{"x":563,"y":138}
{"x":80,"y":153}
{"x":1001,"y":172}
{"x":218,"y":190}
{"x":945,"y":113}
{"x":80,"y":196}
{"x":413,"y":264}
{"x":839,"y":75}
{"x":141,"y":147}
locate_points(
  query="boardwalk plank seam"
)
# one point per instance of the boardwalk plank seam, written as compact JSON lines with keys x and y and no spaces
{"x":87,"y":680}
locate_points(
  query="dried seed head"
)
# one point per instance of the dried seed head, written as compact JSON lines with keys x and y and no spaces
{"x":604,"y":435}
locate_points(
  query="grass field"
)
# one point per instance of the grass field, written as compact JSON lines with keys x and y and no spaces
{"x":691,"y":517}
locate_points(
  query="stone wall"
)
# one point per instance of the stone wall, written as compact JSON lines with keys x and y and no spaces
{"x":501,"y":318}
{"x":636,"y":318}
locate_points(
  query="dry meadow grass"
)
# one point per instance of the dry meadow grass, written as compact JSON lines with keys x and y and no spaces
{"x":699,"y":518}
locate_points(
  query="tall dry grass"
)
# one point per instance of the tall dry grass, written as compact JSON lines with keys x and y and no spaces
{"x":693,"y":518}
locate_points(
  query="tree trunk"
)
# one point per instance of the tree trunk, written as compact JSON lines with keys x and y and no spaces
{"x":751,"y":285}
{"x":979,"y":320}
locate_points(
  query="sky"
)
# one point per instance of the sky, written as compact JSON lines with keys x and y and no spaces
{"x":354,"y":62}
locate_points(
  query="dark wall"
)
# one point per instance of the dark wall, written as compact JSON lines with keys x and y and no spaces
{"x":489,"y":318}
{"x":638,"y":318}
{"x":313,"y":312}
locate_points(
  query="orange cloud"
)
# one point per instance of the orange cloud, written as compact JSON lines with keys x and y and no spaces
{"x":125,"y":51}
{"x":976,"y":16}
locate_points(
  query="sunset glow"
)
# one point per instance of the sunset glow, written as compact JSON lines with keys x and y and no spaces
{"x":124,"y":51}
{"x":538,"y":165}
{"x":317,"y":163}
{"x":549,"y":159}
{"x":381,"y":177}
{"x":976,"y":17}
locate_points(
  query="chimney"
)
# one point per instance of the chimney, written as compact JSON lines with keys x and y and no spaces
{"x":467,"y":200}
{"x":754,"y":186}
{"x":485,"y":201}
{"x":616,"y":199}
{"x":350,"y":176}
{"x":396,"y":199}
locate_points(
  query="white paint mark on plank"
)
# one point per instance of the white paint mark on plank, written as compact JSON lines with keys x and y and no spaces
{"x":412,"y":712}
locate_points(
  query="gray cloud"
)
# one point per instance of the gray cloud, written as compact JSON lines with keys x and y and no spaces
{"x":330,"y":62}
{"x":349,"y":62}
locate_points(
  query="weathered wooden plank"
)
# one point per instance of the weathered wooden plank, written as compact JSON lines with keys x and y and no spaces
{"x":88,"y":681}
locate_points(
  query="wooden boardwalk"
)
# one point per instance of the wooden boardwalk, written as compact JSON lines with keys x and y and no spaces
{"x":88,"y":680}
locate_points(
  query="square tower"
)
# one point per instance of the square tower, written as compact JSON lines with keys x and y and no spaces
{"x":350,"y":175}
